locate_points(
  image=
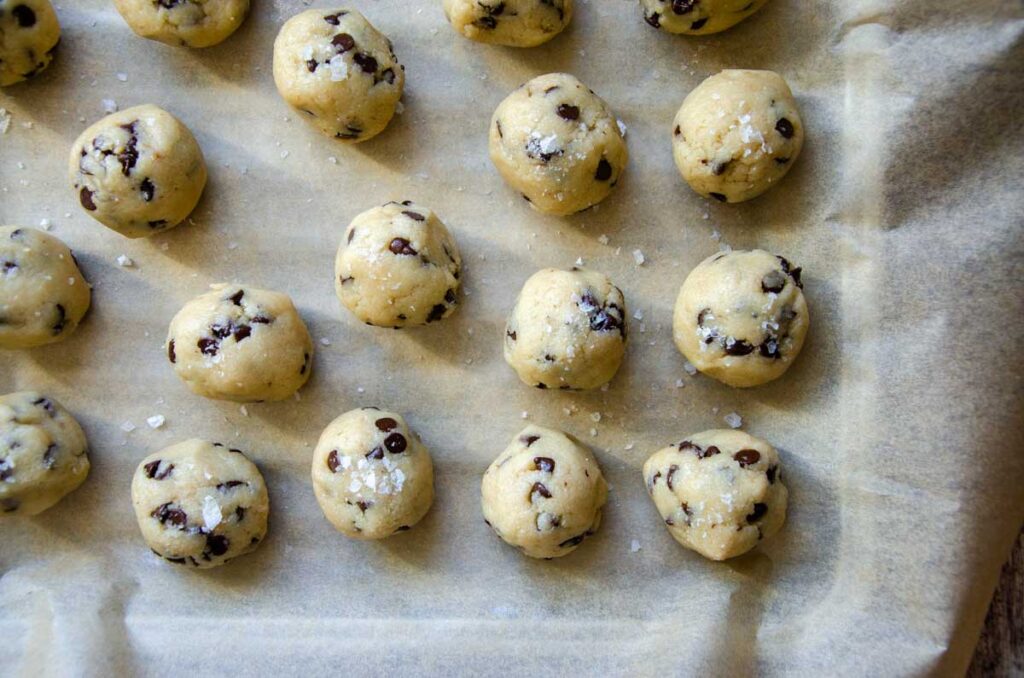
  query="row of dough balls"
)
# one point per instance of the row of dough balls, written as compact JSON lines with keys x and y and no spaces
{"x":30,"y":31}
{"x":202,"y":504}
{"x":740,"y":316}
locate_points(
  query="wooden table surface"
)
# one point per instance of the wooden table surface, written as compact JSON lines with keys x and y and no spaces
{"x":1001,"y":648}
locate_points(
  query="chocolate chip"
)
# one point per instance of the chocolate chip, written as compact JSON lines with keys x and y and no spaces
{"x":240,"y":513}
{"x":170,"y":351}
{"x":416,"y":216}
{"x":333,"y":19}
{"x":769,"y":348}
{"x":401,"y":246}
{"x":402,"y":528}
{"x":343,"y":42}
{"x":236,"y":298}
{"x":670,"y":475}
{"x":747,"y":457}
{"x":208,"y":346}
{"x":573,"y":541}
{"x":738,"y":347}
{"x":568,"y":112}
{"x":436,"y":313}
{"x":785,"y":128}
{"x":85,"y":197}
{"x":386,"y":424}
{"x":510,"y":334}
{"x":677,"y":131}
{"x":366,"y":62}
{"x":529,"y":440}
{"x":311,"y":65}
{"x":683,"y":6}
{"x":604,"y":170}
{"x":154,"y":471}
{"x":168,"y":513}
{"x":758,"y":512}
{"x":719,"y":197}
{"x":25,"y":16}
{"x":227,"y":485}
{"x":718,"y":169}
{"x":542,"y":386}
{"x":395,"y":443}
{"x":158,"y":223}
{"x":488,"y":22}
{"x":62,"y":318}
{"x":242,"y":332}
{"x":781,"y":161}
{"x":217,"y":544}
{"x":260,"y":319}
{"x":47,"y":405}
{"x":698,"y":450}
{"x":772,"y":470}
{"x":363,"y":505}
{"x":449,"y":296}
{"x":130,"y":155}
{"x":698,"y":24}
{"x":773,"y":281}
{"x":654,"y":19}
{"x":333,"y":462}
{"x":545,"y":464}
{"x":50,"y":456}
{"x":539,"y":489}
{"x":375,"y":453}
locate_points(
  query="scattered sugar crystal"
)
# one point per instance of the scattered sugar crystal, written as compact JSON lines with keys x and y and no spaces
{"x":733,"y":420}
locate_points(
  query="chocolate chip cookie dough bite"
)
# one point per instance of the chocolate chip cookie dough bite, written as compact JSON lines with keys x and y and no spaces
{"x":138,"y":171}
{"x":191,"y":23}
{"x":698,"y":17}
{"x":737,"y":134}
{"x":372,"y":475}
{"x":43,"y":453}
{"x":558,"y":144}
{"x":29,"y":34}
{"x":200,"y":504}
{"x":339,"y":71}
{"x":741,"y":317}
{"x":544,"y":494}
{"x":240,"y":343}
{"x":513,"y":23}
{"x":567,"y":330}
{"x":397,"y":266}
{"x":43,"y":295}
{"x":719,"y":492}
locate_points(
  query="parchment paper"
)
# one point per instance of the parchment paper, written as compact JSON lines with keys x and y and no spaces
{"x":899,"y":425}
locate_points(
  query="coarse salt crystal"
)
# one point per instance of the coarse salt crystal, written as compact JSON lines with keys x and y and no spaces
{"x":244,"y":410}
{"x":325,"y":341}
{"x":689,"y":368}
{"x":109,"y":106}
{"x":127,"y":427}
{"x":124,"y":261}
{"x":5,"y":120}
{"x":639,"y":257}
{"x":156,"y":421}
{"x":634,"y":546}
{"x":45,"y":224}
{"x":733,"y":420}
{"x":603,"y":239}
{"x":123,"y":77}
{"x":211,"y":513}
{"x":622,"y":127}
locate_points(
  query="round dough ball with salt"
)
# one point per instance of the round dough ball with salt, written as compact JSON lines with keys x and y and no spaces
{"x":719,"y":492}
{"x":741,"y":317}
{"x":698,"y":17}
{"x":190,"y":23}
{"x":372,"y":475}
{"x":558,"y":144}
{"x":339,"y":71}
{"x":398,"y":266}
{"x":200,"y":504}
{"x":544,"y":494}
{"x":737,"y":134}
{"x":138,"y":171}
{"x":43,"y":295}
{"x":513,"y":23}
{"x":567,"y":330}
{"x":240,"y":343}
{"x":43,"y":453}
{"x":29,"y":34}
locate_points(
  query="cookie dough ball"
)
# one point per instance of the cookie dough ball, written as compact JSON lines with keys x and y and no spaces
{"x":43,"y":453}
{"x":29,"y":34}
{"x":398,"y":266}
{"x":339,"y":70}
{"x":138,"y":171}
{"x":737,"y":135}
{"x":567,"y":330}
{"x":200,"y":504}
{"x":514,"y":23}
{"x":558,"y":144}
{"x":193,"y":23}
{"x":741,"y":317}
{"x":698,"y":17}
{"x":371,"y":474}
{"x":240,"y":343}
{"x":544,"y":493}
{"x":43,"y":295}
{"x":720,"y":492}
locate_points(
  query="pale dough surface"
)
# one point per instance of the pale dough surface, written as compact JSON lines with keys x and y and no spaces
{"x":567,"y":330}
{"x":43,"y":453}
{"x":719,"y":492}
{"x":240,"y":343}
{"x":29,"y":33}
{"x":192,"y":23}
{"x":544,"y":494}
{"x":43,"y":295}
{"x":558,"y":144}
{"x":698,"y":17}
{"x":737,"y":134}
{"x":741,"y":317}
{"x":200,"y":504}
{"x":138,"y":171}
{"x":372,"y":475}
{"x":339,"y":71}
{"x":398,"y":265}
{"x":513,"y":23}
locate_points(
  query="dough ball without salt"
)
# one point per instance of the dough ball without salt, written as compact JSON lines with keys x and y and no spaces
{"x":698,"y":17}
{"x":719,"y":492}
{"x":43,"y":295}
{"x":200,"y":504}
{"x":240,"y":343}
{"x":567,"y":330}
{"x":558,"y":144}
{"x":43,"y":453}
{"x":138,"y":171}
{"x":398,"y":266}
{"x":544,"y":494}
{"x":191,"y":23}
{"x":513,"y":23}
{"x":29,"y":34}
{"x":340,"y":71}
{"x":737,"y":134}
{"x":372,"y":475}
{"x":741,"y":317}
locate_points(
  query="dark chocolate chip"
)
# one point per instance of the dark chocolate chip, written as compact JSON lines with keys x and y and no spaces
{"x":486,"y":21}
{"x":25,"y":16}
{"x":386,"y":424}
{"x":50,"y":456}
{"x":395,"y":443}
{"x":388,"y":76}
{"x":217,"y":544}
{"x":240,"y":513}
{"x":170,"y":351}
{"x":772,"y":470}
{"x":747,"y":457}
{"x":416,"y":216}
{"x":785,"y":128}
{"x":169,"y":513}
{"x":670,"y":475}
{"x":375,"y":453}
{"x":449,"y":296}
{"x":401,"y":246}
{"x":604,"y":170}
{"x":545,"y":464}
{"x":539,"y":489}
{"x":573,"y":541}
{"x":402,"y":528}
{"x":510,"y":334}
{"x":738,"y":347}
{"x":654,"y":19}
{"x":719,"y":197}
{"x":242,"y":332}
{"x":332,"y":461}
{"x":436,"y":313}
{"x":529,"y":440}
{"x":236,"y":298}
{"x":698,"y":24}
{"x":568,"y":112}
{"x":333,"y":19}
{"x":62,"y":319}
{"x":366,"y":62}
{"x":683,"y":6}
{"x":311,"y":67}
{"x":85,"y":196}
{"x":154,"y":471}
{"x":208,"y":345}
{"x":782,"y":161}
{"x":769,"y":348}
{"x":758,"y":512}
{"x":47,"y":405}
{"x":343,"y":42}
{"x":363,"y":505}
{"x":227,"y":485}
{"x":773,"y":281}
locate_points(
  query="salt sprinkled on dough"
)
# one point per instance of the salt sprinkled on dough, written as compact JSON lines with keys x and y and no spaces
{"x":211,"y":513}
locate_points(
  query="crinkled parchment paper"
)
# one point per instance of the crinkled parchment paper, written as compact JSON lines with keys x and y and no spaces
{"x":900,"y":425}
